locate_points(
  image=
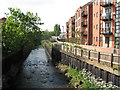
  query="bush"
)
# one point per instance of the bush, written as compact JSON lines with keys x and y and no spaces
{"x":43,"y":43}
{"x":50,"y":44}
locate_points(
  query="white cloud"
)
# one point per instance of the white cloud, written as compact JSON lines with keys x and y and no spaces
{"x":50,"y":11}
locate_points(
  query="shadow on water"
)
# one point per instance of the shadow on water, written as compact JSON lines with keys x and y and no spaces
{"x":37,"y":72}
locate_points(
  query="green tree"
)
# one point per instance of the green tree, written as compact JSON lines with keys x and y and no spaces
{"x":20,"y":31}
{"x":47,"y":34}
{"x":57,"y":29}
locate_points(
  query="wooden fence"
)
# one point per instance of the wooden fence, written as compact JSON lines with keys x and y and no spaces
{"x":90,"y":60}
{"x":105,"y":58}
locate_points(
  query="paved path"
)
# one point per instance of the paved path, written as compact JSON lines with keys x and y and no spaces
{"x":36,"y":72}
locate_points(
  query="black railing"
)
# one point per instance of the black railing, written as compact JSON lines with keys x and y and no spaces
{"x":107,"y":17}
{"x":84,"y":23}
{"x":106,"y":4}
{"x":106,"y":31}
{"x":84,"y":14}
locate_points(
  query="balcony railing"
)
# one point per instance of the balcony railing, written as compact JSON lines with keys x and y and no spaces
{"x":84,"y":14}
{"x":107,"y":17}
{"x":67,"y":26}
{"x":84,"y":33}
{"x":84,"y":23}
{"x":73,"y":22}
{"x":106,"y":4}
{"x":106,"y":31}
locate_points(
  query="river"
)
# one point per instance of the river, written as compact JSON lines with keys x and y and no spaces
{"x":37,"y":72}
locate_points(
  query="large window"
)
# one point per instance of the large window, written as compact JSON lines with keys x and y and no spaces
{"x":107,"y":26}
{"x":117,"y":41}
{"x":117,"y":12}
{"x":117,"y":27}
{"x":107,"y":40}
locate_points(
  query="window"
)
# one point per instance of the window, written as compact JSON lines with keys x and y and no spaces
{"x":117,"y":27}
{"x":100,"y":12}
{"x":117,"y":40}
{"x":107,"y":40}
{"x":101,"y":26}
{"x":100,"y":39}
{"x":107,"y":27}
{"x":96,"y":39}
{"x":97,"y":2}
{"x":117,"y":12}
{"x":97,"y":26}
{"x":97,"y":14}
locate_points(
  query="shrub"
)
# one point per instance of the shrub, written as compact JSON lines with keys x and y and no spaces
{"x":43,"y":43}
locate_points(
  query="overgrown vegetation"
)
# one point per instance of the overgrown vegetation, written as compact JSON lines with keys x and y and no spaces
{"x":46,"y":35}
{"x":20,"y":31}
{"x":50,"y":44}
{"x":116,"y":68}
{"x":80,"y":47}
{"x":84,"y":79}
{"x":43,"y":43}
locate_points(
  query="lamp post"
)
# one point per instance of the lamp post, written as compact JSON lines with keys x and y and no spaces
{"x":63,"y":35}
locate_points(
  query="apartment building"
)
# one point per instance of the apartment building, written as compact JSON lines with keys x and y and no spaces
{"x":117,"y":26}
{"x":86,"y":23}
{"x":83,"y":24}
{"x":70,"y":27}
{"x":104,"y":23}
{"x":78,"y":30}
{"x":67,"y":30}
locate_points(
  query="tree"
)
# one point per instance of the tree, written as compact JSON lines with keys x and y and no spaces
{"x":47,"y":34}
{"x":20,"y":31}
{"x":57,"y":29}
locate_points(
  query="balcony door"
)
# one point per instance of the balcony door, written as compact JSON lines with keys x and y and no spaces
{"x":107,"y":27}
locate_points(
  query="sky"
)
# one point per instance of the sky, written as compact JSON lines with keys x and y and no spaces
{"x":51,"y":12}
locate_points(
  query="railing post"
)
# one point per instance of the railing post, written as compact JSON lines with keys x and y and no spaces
{"x":112,"y":60}
{"x":98,"y":57}
{"x":89,"y":54}
{"x":81,"y":52}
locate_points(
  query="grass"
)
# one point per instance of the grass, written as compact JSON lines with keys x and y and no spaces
{"x":116,"y":68}
{"x":43,"y":43}
{"x":80,"y":47}
{"x":50,"y":44}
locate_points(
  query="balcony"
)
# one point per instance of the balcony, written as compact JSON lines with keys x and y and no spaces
{"x":84,"y":33}
{"x":73,"y":22}
{"x":107,"y":17}
{"x":67,"y":26}
{"x":117,"y":33}
{"x":106,"y":4}
{"x":106,"y":31}
{"x":84,"y":23}
{"x":84,"y":14}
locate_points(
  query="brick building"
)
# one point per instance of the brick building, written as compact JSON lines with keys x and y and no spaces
{"x":104,"y":23}
{"x":3,"y":19}
{"x":97,"y":23}
{"x":78,"y":25}
{"x":117,"y":26}
{"x":83,"y":24}
{"x":70,"y":27}
{"x":86,"y":23}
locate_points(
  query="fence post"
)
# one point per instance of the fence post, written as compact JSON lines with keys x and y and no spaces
{"x":81,"y":52}
{"x":98,"y":57}
{"x":112,"y":60}
{"x":89,"y":54}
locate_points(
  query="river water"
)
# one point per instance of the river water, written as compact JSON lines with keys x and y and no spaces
{"x":37,"y":72}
